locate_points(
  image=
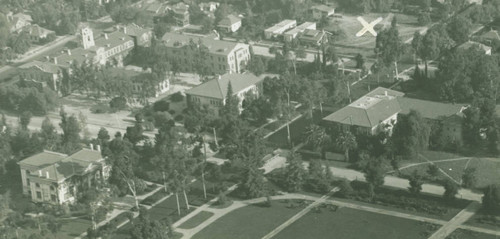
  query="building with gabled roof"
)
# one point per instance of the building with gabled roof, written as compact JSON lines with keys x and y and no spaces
{"x":470,"y":44}
{"x":37,"y":32}
{"x":279,"y":28}
{"x":41,"y":73}
{"x":312,"y":37}
{"x":213,"y":93}
{"x":18,"y":21}
{"x":223,"y":56}
{"x":320,"y":11}
{"x":230,"y":23}
{"x":378,"y":111}
{"x":56,"y":178}
{"x":292,"y":34}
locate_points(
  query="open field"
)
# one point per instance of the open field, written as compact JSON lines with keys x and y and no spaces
{"x":349,"y":223}
{"x":196,"y":220}
{"x":487,"y":169}
{"x":466,"y":234}
{"x":252,"y":221}
{"x":349,"y":25}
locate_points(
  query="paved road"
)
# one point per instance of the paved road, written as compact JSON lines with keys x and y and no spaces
{"x":402,"y":183}
{"x":458,"y":220}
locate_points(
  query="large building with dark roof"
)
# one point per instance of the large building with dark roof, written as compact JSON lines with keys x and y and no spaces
{"x":378,"y":111}
{"x":223,"y":56}
{"x":213,"y":93}
{"x":55,"y":178}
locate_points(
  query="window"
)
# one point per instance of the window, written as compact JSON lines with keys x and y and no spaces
{"x":37,"y":185}
{"x":52,"y":188}
{"x":53,"y":197}
{"x":38,"y":195}
{"x":28,"y":182}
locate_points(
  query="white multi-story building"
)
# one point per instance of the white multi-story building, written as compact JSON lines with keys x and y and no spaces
{"x":223,"y":56}
{"x":55,"y":178}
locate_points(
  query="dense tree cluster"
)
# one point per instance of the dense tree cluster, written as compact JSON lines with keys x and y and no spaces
{"x":19,"y":99}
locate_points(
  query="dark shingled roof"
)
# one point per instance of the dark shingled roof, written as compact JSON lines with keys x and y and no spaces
{"x":217,"y":88}
{"x":429,"y":109}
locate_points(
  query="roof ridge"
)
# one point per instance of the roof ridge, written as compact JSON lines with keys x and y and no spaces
{"x":220,"y":87}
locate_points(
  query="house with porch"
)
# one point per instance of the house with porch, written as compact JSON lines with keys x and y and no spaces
{"x":56,"y":178}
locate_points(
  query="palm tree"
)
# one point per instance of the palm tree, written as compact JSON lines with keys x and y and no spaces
{"x":346,"y":141}
{"x":317,"y":137}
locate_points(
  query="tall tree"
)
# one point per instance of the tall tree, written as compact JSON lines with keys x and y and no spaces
{"x":346,"y":141}
{"x":416,"y":181}
{"x":49,"y":134}
{"x":71,"y":132}
{"x":317,"y":137}
{"x":294,"y":173}
{"x":410,"y":134}
{"x":491,"y":198}
{"x":388,"y":44}
{"x":145,"y":228}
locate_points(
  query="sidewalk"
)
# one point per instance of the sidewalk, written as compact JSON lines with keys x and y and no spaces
{"x":402,"y":183}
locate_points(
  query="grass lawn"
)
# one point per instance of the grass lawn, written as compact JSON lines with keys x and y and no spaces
{"x":466,"y":234}
{"x":485,"y":220}
{"x":160,"y":212}
{"x":196,"y":220}
{"x":487,"y":170}
{"x":72,"y":228}
{"x":297,"y":129}
{"x":349,"y":223}
{"x":252,"y":221}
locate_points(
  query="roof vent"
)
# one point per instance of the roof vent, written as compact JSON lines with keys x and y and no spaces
{"x":47,"y":174}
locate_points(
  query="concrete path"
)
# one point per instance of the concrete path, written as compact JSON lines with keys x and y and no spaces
{"x":299,"y":215}
{"x":481,"y":230}
{"x":458,"y":220}
{"x":402,"y":183}
{"x":429,"y":162}
{"x":440,"y":169}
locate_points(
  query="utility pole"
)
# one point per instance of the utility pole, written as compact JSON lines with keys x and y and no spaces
{"x":203,"y":168}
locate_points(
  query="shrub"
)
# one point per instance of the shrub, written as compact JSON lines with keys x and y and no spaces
{"x":161,"y":105}
{"x":177,"y":97}
{"x":172,"y":112}
{"x":100,"y":108}
{"x":179,"y":118}
{"x":118,"y":103}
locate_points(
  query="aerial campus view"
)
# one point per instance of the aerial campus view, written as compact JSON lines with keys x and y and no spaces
{"x":242,"y":119}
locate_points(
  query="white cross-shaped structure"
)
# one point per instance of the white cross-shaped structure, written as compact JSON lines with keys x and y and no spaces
{"x":368,"y":27}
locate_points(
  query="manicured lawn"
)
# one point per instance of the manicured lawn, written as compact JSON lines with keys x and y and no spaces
{"x":297,"y":129}
{"x":349,"y":223}
{"x":250,"y":222}
{"x":73,"y":228}
{"x":487,"y":170}
{"x":486,"y":220}
{"x":466,"y":234}
{"x":160,"y":212}
{"x":196,"y":220}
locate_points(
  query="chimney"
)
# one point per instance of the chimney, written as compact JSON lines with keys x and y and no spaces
{"x":47,"y":174}
{"x":220,"y":77}
{"x":40,"y":173}
{"x":99,"y":148}
{"x":106,"y":36}
{"x":55,"y":60}
{"x":69,"y":52}
{"x":125,"y":29}
{"x":385,"y":93}
{"x":92,"y":147}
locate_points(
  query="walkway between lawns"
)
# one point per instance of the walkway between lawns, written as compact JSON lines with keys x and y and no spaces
{"x":124,"y":208}
{"x":456,"y":221}
{"x":402,"y":183}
